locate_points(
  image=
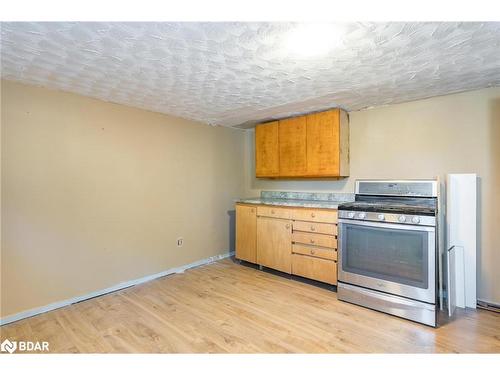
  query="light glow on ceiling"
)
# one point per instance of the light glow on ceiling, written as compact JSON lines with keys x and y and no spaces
{"x":313,"y":39}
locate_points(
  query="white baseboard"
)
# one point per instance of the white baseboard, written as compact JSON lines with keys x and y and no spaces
{"x":56,"y":305}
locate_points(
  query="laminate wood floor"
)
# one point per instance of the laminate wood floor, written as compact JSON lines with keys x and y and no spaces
{"x":225,"y":307}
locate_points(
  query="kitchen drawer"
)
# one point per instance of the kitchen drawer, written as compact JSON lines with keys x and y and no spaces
{"x":313,"y":227}
{"x":321,"y":216}
{"x":315,"y":268}
{"x":280,"y":213}
{"x":315,"y":239}
{"x":318,"y":252}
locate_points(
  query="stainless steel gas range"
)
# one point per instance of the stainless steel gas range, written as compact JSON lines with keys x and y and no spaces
{"x":388,"y":248}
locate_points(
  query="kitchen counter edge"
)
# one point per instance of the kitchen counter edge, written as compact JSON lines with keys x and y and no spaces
{"x":332,"y":205}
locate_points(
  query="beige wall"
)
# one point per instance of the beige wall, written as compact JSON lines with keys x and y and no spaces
{"x":423,"y":139}
{"x":95,"y":193}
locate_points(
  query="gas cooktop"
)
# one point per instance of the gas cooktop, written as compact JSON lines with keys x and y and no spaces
{"x":409,"y":206}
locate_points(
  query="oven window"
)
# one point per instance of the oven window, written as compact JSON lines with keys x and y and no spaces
{"x":396,"y":255}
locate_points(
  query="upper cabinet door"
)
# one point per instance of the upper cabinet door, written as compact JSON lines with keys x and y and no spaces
{"x":323,"y":141}
{"x":292,"y":147}
{"x":267,"y":163}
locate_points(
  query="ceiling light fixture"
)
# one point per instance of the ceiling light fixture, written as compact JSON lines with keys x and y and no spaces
{"x":313,"y":39}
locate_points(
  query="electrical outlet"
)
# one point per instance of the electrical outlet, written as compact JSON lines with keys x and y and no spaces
{"x":180,"y":242}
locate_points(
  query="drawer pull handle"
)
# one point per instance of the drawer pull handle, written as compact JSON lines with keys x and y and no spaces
{"x":312,"y":214}
{"x":272,"y":211}
{"x":312,"y":228}
{"x":312,"y":252}
{"x":312,"y":241}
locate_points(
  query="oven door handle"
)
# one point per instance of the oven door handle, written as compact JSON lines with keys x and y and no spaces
{"x":375,"y":224}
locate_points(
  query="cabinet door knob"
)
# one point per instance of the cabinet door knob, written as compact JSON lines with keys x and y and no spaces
{"x":252,"y":210}
{"x":312,"y":228}
{"x":287,"y":226}
{"x":312,"y":251}
{"x":272,"y":211}
{"x":312,"y":241}
{"x":312,"y":214}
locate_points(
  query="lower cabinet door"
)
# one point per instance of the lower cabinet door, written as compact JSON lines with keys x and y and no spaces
{"x":315,"y":268}
{"x":246,"y":233}
{"x":274,"y":243}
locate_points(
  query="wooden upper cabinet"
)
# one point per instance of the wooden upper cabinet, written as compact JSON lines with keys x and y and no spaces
{"x":315,"y":145}
{"x":267,"y":150}
{"x":293,"y":147}
{"x":323,"y":136}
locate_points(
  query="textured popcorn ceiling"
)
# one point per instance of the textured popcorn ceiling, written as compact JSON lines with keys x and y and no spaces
{"x":236,"y":74}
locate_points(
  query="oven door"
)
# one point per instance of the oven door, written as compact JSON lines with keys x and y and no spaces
{"x":393,"y":258}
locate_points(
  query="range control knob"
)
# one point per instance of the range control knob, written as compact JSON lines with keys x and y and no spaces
{"x":381,"y":216}
{"x":415,"y":220}
{"x":402,"y":218}
{"x":350,"y":215}
{"x":361,"y":215}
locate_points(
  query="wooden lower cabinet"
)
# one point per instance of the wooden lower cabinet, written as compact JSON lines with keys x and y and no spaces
{"x":276,"y":212}
{"x":314,"y":251}
{"x":316,"y":239}
{"x":315,"y":215}
{"x":274,"y":243}
{"x":314,"y":268}
{"x":246,"y":233}
{"x":298,"y":241}
{"x":306,"y":226}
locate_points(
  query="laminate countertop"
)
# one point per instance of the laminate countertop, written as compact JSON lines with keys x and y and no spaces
{"x":299,"y":199}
